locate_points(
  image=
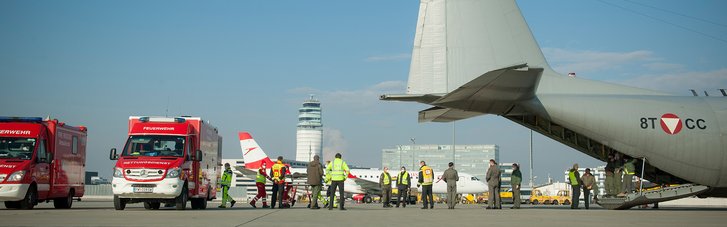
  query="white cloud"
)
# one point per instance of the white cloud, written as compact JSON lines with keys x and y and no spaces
{"x":360,"y":100}
{"x":661,"y":66}
{"x":681,"y":82}
{"x":580,"y":61}
{"x":394,"y":57}
{"x":333,"y":142}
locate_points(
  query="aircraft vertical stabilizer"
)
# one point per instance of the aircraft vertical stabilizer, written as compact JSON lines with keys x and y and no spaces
{"x":252,"y":153}
{"x":456,"y":41}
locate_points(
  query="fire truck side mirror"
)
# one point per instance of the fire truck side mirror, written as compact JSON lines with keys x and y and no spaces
{"x":198,"y":155}
{"x":113,"y":155}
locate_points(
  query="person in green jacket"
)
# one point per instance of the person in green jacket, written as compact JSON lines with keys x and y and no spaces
{"x":225,"y":182}
{"x":516,"y":179}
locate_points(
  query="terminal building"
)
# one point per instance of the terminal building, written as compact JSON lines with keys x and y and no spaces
{"x":471,"y":159}
{"x":309,"y":136}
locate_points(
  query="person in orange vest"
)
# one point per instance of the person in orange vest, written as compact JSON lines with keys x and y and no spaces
{"x":260,"y":181}
{"x":278,"y":175}
{"x":426,"y":180}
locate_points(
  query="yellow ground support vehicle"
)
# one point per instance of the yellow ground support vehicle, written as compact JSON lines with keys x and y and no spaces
{"x":506,"y":197}
{"x":563,"y":197}
{"x":537,"y":197}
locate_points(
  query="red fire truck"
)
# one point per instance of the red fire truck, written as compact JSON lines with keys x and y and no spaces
{"x":41,"y":160}
{"x":168,"y":160}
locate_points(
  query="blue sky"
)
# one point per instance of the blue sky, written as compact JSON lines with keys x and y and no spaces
{"x":247,"y":65}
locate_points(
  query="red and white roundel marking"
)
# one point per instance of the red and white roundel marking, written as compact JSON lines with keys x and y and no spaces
{"x":671,"y":124}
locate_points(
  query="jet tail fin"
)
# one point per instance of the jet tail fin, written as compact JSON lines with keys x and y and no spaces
{"x":459,"y":40}
{"x":252,"y":153}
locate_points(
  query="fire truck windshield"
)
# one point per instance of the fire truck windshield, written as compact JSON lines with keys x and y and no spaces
{"x":155,"y":146}
{"x":16,"y":148}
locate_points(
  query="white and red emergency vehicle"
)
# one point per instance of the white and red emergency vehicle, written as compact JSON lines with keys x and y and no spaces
{"x":41,"y":160}
{"x":168,"y":160}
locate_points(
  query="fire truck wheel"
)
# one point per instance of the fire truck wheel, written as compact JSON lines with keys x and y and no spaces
{"x":181,"y":200}
{"x":31,"y":198}
{"x":199,"y":203}
{"x":12,"y":204}
{"x":64,"y":203}
{"x":119,"y":203}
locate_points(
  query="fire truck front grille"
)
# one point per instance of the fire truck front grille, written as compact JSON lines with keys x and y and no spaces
{"x":144,"y":174}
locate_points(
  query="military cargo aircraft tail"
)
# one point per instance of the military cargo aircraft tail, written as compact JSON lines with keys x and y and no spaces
{"x":479,"y":57}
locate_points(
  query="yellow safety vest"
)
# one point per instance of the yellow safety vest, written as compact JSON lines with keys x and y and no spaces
{"x":260,"y":176}
{"x":427,"y":175}
{"x":337,"y":170}
{"x":278,"y":172}
{"x":403,"y":178}
{"x":387,"y":180}
{"x":573,"y":178}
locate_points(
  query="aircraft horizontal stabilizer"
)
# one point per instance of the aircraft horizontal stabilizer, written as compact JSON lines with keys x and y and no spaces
{"x":495,"y":92}
{"x":439,"y":114}
{"x":425,"y":98}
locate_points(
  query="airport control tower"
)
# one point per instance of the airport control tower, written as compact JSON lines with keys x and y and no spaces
{"x":310,"y":131}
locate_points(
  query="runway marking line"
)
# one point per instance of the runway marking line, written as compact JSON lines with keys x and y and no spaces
{"x":261,"y":216}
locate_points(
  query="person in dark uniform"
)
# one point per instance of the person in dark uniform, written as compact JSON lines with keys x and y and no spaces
{"x":451,"y":177}
{"x":493,"y":184}
{"x":516,"y":179}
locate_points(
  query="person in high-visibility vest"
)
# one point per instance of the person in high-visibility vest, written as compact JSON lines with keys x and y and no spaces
{"x":225,"y":181}
{"x":278,"y":175}
{"x":426,"y":179}
{"x":628,"y":179}
{"x":575,"y":181}
{"x":338,"y":171}
{"x":385,"y":184}
{"x":403,"y":184}
{"x":260,"y":181}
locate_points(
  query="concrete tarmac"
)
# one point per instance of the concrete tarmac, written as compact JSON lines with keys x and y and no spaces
{"x":103,"y":214}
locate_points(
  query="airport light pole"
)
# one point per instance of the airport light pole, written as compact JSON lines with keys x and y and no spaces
{"x":414,"y":143}
{"x":453,"y":142}
{"x":400,"y":151}
{"x":531,"y":158}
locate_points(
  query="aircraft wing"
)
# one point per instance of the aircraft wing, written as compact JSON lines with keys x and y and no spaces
{"x":368,"y":186}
